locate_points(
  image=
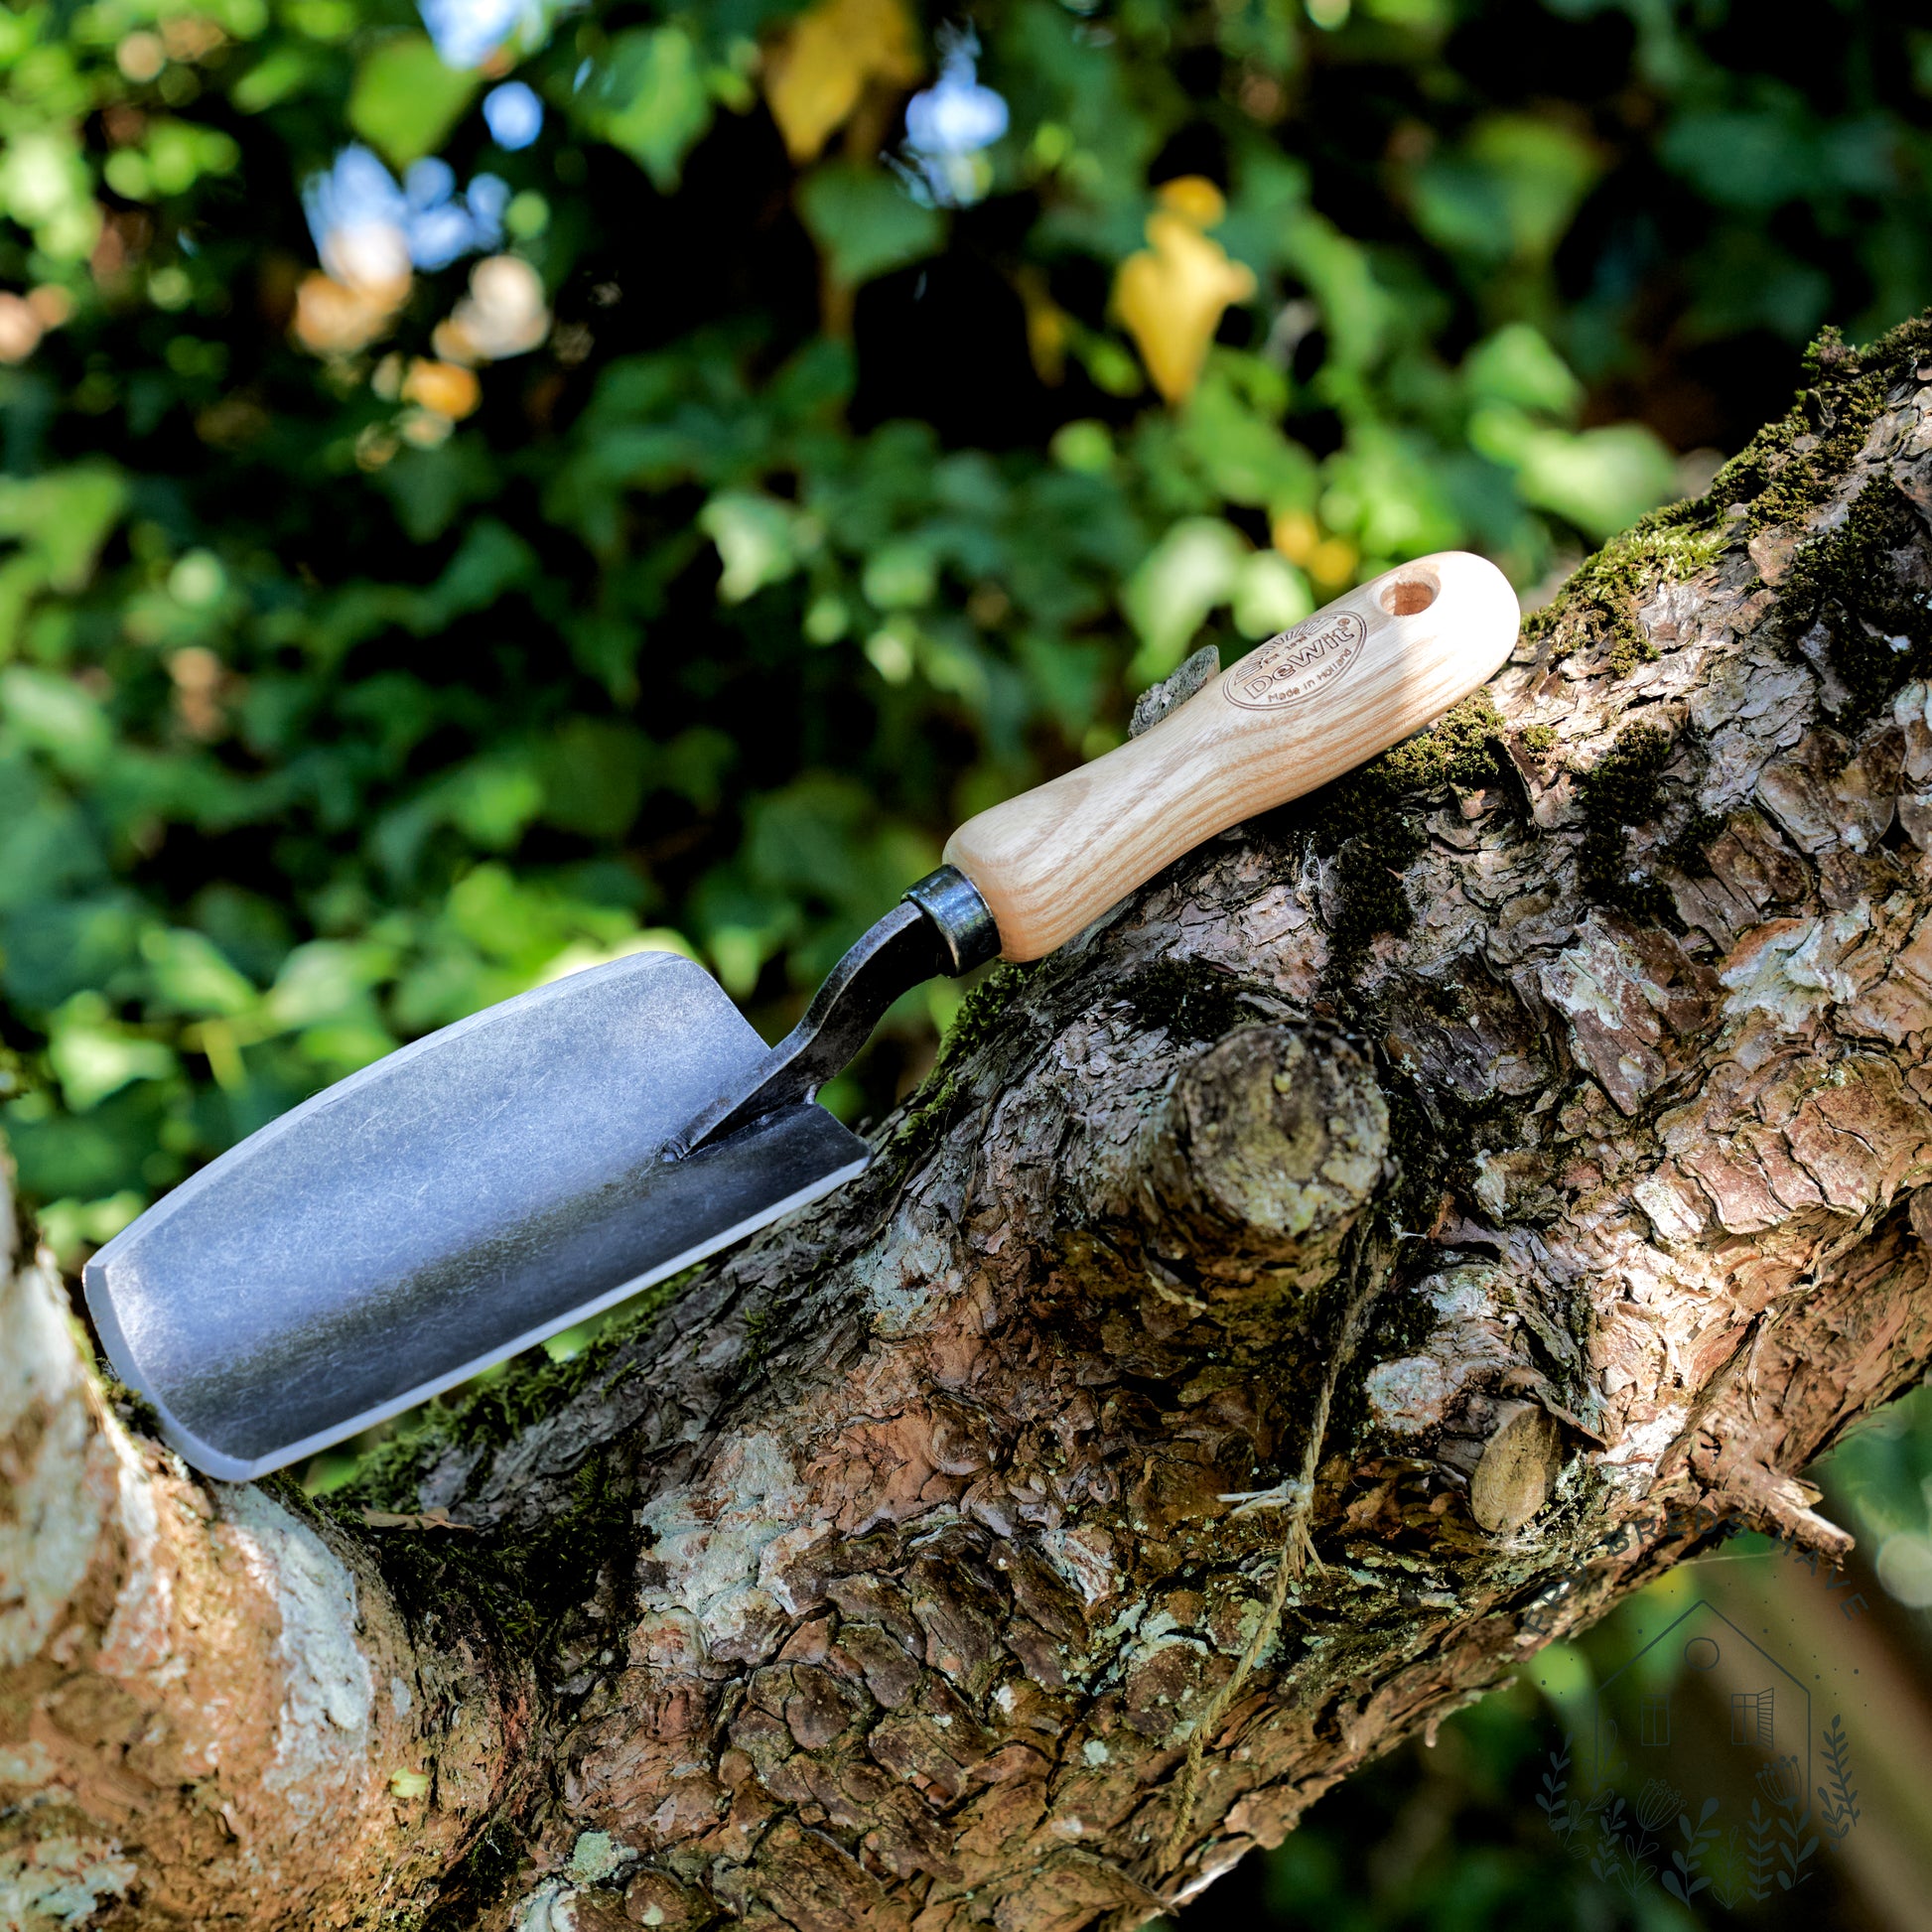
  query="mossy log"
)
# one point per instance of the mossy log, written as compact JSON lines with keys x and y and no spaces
{"x":1344,"y":1270}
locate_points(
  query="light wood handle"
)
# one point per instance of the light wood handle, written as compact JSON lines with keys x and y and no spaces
{"x":1302,"y":709}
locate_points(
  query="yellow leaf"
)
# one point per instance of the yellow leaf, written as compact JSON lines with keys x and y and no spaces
{"x":1194,"y":198}
{"x":1296,"y":535}
{"x":1173,"y":293}
{"x":815,"y":74}
{"x":1333,"y":562}
{"x":1047,"y":329}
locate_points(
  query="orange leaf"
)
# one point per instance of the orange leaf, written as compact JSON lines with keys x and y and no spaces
{"x":446,"y":387}
{"x":334,"y":319}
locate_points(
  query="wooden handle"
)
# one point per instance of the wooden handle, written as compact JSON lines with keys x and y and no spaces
{"x":1304,"y":708}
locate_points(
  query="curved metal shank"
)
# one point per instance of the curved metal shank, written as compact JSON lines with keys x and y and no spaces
{"x":941,"y":926}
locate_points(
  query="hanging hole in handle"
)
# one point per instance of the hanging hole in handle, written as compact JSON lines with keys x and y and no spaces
{"x":1409,"y":594}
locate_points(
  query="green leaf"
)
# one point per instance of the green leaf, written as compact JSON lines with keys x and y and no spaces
{"x":49,"y":952}
{"x":93,"y":1057}
{"x":56,"y":715}
{"x":190,"y":975}
{"x":328,"y":980}
{"x":1745,"y":280}
{"x":87,"y":1156}
{"x":1194,"y":566}
{"x":1509,"y":191}
{"x":648,"y":97}
{"x":593,"y":773}
{"x":179,"y":153}
{"x":282,"y":72}
{"x":865,"y":223}
{"x":429,"y":487}
{"x":46,"y":844}
{"x":62,"y":519}
{"x":1356,"y":309}
{"x":492,"y":799}
{"x":757,"y":539}
{"x":405,"y":101}
{"x":45,"y":186}
{"x":1756,"y":160}
{"x":1421,"y":16}
{"x":492,"y":561}
{"x":1601,"y":479}
{"x":694,"y":763}
{"x":1239,"y":448}
{"x":900,"y":576}
{"x":1270,"y":595}
{"x":1517,"y":365}
{"x":1385,"y":491}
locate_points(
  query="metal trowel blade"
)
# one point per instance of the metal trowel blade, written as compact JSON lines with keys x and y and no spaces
{"x":456,"y":1202}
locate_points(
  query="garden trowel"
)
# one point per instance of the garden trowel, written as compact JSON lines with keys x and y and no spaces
{"x":529,"y":1167}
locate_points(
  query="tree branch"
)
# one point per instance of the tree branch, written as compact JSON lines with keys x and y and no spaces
{"x":208,"y":1704}
{"x":923,"y":1562}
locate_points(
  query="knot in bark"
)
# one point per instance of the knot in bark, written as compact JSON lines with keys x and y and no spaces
{"x":1268,"y":1149}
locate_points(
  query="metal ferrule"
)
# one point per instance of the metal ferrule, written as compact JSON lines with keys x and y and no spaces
{"x":968,"y":933}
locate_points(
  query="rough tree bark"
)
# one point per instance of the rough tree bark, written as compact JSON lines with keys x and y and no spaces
{"x":1278,"y":1314}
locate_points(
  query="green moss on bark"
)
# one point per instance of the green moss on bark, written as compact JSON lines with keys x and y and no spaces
{"x":1368,"y":824}
{"x":978,"y":1021}
{"x":1191,"y":999}
{"x":1624,"y":790}
{"x":1792,"y":466}
{"x":1689,"y":852}
{"x":492,"y":1412}
{"x":524,"y":1589}
{"x":1854,"y":583}
{"x":526,"y":1583}
{"x":979,"y":1017}
{"x":1601,"y":601}
{"x":1849,"y":580}
{"x":1786,"y":471}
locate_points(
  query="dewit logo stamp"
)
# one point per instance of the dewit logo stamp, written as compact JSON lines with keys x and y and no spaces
{"x":1298,"y":663}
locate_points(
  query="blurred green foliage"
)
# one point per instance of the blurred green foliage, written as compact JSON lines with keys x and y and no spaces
{"x":342,"y":692}
{"x":332,"y":706}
